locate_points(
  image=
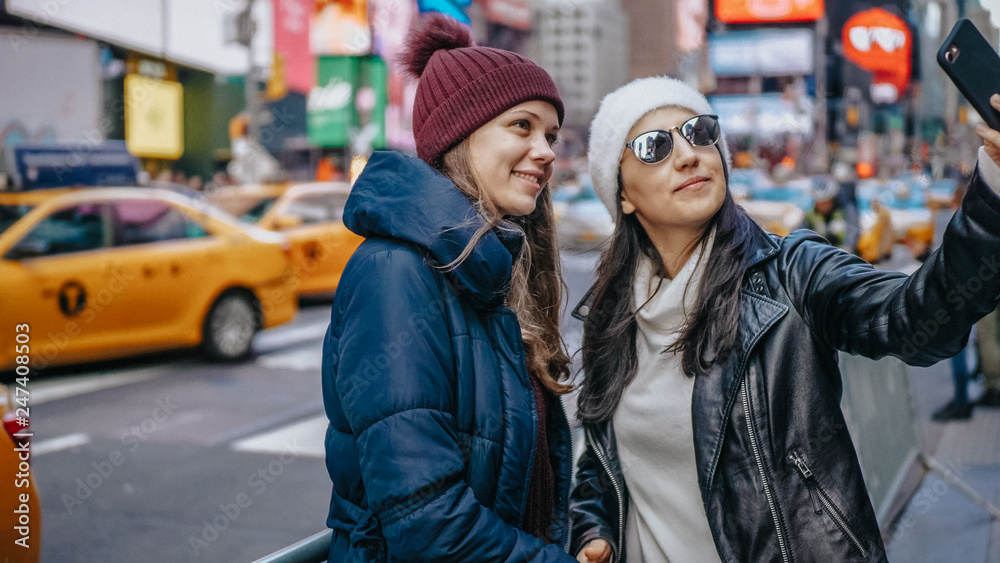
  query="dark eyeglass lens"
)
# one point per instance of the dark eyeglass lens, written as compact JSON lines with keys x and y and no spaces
{"x":652,"y":147}
{"x":702,"y":131}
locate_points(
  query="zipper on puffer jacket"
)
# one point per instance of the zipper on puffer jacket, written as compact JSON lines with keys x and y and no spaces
{"x":569,"y":515}
{"x":823,"y":502}
{"x":602,"y":457}
{"x":759,"y":459}
{"x":562,"y":407}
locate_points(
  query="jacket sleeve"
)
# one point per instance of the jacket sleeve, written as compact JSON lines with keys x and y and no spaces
{"x":396,"y":384}
{"x":592,"y":503}
{"x":922,"y":318}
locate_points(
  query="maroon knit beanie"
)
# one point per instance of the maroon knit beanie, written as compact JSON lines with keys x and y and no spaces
{"x":463,"y":87}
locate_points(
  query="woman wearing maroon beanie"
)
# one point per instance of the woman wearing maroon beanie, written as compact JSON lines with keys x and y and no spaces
{"x":443,"y":364}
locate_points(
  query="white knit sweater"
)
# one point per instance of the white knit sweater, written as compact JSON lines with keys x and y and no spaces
{"x":666,"y":519}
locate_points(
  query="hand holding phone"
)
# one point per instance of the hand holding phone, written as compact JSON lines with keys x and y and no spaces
{"x":991,"y":137}
{"x":972,"y":64}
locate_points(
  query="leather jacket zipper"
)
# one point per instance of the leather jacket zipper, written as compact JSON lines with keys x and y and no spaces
{"x":817,"y":492}
{"x":760,"y":466}
{"x":618,"y":492}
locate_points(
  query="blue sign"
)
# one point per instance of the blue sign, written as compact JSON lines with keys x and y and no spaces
{"x":107,"y":163}
{"x":453,"y":8}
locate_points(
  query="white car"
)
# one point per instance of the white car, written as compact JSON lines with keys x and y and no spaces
{"x":582,"y":221}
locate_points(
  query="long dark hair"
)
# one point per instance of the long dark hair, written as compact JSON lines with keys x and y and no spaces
{"x":536,"y":286}
{"x":609,"y":355}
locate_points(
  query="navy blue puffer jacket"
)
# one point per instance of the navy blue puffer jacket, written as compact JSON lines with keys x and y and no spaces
{"x":433,"y":424}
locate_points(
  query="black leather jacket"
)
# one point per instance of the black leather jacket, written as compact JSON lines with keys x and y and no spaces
{"x":778,"y":472}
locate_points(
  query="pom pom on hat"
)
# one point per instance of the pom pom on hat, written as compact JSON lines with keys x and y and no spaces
{"x":462,"y":87}
{"x":434,"y":33}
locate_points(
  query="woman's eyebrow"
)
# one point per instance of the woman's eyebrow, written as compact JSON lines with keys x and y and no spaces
{"x":532,"y":114}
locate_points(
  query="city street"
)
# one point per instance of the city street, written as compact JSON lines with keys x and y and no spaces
{"x":181,"y":173}
{"x":172,"y":459}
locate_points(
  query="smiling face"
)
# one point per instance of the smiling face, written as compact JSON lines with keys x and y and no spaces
{"x":680,"y":194}
{"x":512,"y":156}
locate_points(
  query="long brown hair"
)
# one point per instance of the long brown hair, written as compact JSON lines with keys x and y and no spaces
{"x":536,"y":286}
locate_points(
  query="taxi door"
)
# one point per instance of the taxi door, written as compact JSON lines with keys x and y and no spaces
{"x":167,"y":260}
{"x":322,"y":244}
{"x":56,"y":279}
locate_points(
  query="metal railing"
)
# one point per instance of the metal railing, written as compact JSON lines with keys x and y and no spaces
{"x":314,"y":549}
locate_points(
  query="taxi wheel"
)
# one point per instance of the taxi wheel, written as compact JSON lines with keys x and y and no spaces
{"x":230,"y":327}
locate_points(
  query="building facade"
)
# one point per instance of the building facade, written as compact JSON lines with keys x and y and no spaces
{"x":584,"y":45}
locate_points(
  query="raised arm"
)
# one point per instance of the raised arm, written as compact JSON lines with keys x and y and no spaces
{"x":922,"y":318}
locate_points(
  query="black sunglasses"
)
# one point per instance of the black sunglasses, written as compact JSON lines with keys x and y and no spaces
{"x":654,"y":146}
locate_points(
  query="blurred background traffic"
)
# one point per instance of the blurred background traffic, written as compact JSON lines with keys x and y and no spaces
{"x":173,"y":175}
{"x":201,"y":95}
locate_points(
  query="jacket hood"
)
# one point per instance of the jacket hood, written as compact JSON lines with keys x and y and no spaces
{"x":401,"y":197}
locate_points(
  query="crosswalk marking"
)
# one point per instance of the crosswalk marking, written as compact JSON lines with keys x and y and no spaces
{"x":306,"y":358}
{"x":51,"y":390}
{"x":281,"y":337}
{"x":43,"y":447}
{"x":304,"y":438}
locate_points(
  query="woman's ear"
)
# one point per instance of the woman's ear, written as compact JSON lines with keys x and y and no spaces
{"x":627,"y":207}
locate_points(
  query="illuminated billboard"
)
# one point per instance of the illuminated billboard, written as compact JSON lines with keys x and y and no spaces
{"x":881,"y":42}
{"x":768,"y":11}
{"x":770,"y":52}
{"x":291,"y":43}
{"x":154,"y":125}
{"x":340,"y":27}
{"x":348,"y":102}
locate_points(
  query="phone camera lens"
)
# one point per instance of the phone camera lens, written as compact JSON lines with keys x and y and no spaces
{"x":951,"y":55}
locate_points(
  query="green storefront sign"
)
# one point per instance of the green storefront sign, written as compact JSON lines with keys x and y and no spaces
{"x":334,"y":118}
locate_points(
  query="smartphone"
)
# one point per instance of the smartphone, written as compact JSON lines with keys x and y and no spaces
{"x":972,"y":64}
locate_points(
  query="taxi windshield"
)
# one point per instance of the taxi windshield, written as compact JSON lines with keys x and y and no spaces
{"x":258,"y":210}
{"x":9,"y":214}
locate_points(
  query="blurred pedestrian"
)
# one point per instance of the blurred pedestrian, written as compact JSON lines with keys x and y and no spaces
{"x":988,"y":352}
{"x":828,"y":217}
{"x":195,"y":183}
{"x":711,"y":390}
{"x":958,"y":408}
{"x":844,"y":174}
{"x":443,"y":364}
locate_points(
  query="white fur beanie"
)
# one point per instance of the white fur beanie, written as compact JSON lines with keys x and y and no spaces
{"x":618,"y":113}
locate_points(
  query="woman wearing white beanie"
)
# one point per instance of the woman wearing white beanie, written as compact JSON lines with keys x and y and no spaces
{"x":711,"y":395}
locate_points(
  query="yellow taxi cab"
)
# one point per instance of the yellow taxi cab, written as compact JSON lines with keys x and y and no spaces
{"x":100,"y":273}
{"x":897,"y":211}
{"x":247,"y":202}
{"x":311,"y":215}
{"x":20,"y":510}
